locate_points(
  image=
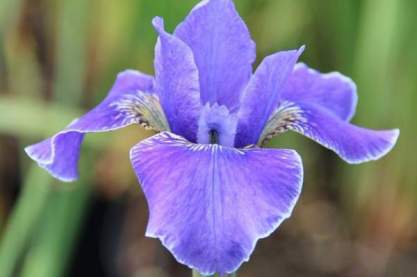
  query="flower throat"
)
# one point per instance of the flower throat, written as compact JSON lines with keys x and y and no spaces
{"x":213,"y":136}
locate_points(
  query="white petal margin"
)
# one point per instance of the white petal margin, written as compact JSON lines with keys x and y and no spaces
{"x":209,"y":204}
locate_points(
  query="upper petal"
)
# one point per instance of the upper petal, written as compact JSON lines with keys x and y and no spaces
{"x":210,"y":204}
{"x":177,"y":83}
{"x":332,"y":91}
{"x":130,"y":101}
{"x":223,"y":50}
{"x":262,"y":95}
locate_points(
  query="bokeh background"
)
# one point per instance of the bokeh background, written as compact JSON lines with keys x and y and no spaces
{"x":59,"y":58}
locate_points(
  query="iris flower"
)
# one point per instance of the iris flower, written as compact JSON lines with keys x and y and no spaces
{"x":212,"y":191}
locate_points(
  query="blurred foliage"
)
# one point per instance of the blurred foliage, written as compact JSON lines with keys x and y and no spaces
{"x":58,"y":58}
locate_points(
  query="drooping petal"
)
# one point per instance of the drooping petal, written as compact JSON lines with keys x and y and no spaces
{"x":130,"y":101}
{"x":352,"y":143}
{"x":210,"y":204}
{"x":333,"y":91}
{"x":223,"y":50}
{"x":177,"y":82}
{"x":263,"y":94}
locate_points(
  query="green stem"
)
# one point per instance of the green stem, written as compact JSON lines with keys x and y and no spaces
{"x":23,"y":219}
{"x":62,"y":218}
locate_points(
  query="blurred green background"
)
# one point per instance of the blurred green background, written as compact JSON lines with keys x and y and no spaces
{"x":59,"y":58}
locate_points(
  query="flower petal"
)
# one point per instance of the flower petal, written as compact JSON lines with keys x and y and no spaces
{"x":333,"y":91}
{"x":223,"y":50}
{"x":352,"y":143}
{"x":128,"y":102}
{"x":210,"y":204}
{"x":263,"y":94}
{"x":177,"y":82}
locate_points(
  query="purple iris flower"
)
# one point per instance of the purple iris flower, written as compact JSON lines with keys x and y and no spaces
{"x":212,"y":191}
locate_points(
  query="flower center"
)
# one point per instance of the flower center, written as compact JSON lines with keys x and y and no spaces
{"x":216,"y":126}
{"x":214,"y":136}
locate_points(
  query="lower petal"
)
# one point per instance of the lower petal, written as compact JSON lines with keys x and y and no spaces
{"x":210,"y":204}
{"x":129,"y":102}
{"x":352,"y":143}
